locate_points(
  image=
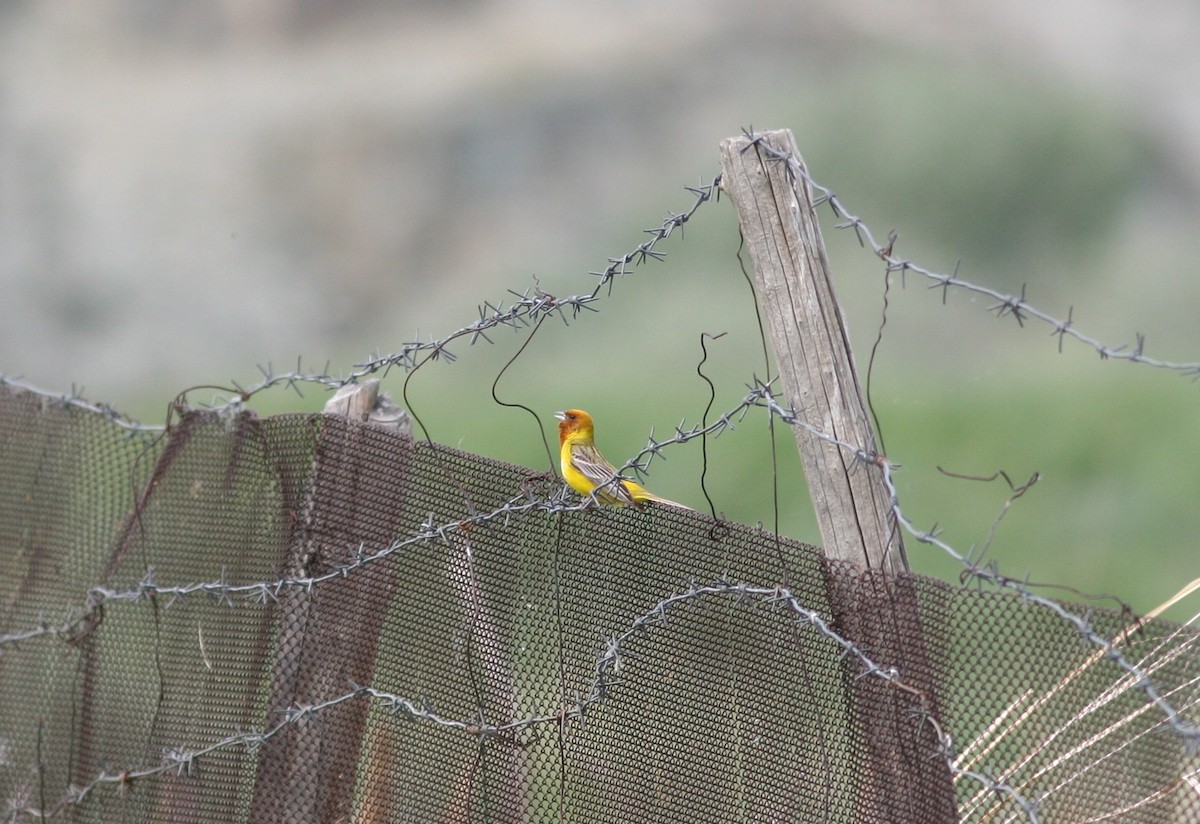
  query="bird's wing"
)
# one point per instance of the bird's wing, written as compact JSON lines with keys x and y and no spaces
{"x":596,"y":468}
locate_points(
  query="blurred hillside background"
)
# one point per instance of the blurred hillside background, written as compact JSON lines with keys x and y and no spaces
{"x":188,"y":190}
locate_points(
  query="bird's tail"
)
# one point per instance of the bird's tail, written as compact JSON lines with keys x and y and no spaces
{"x":654,"y":499}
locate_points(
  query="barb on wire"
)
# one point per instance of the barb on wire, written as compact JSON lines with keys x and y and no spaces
{"x":619,"y":266}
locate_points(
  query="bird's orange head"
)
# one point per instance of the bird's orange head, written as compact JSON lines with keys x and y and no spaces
{"x":574,"y":422}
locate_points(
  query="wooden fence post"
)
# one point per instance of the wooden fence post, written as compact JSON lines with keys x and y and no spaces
{"x":764,"y":177}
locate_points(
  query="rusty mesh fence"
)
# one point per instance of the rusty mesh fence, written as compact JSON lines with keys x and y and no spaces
{"x":302,"y":618}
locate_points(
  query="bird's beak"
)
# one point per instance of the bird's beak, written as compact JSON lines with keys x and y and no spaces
{"x":560,"y":416}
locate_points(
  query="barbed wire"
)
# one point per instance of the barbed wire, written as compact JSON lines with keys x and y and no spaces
{"x":1016,"y":306}
{"x":611,"y":660}
{"x":562,"y":501}
{"x":990,"y":573}
{"x":531,"y":305}
{"x":523,"y":309}
{"x":759,"y":395}
{"x":74,"y":400}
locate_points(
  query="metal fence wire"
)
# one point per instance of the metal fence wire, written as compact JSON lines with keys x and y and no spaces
{"x":303,"y":618}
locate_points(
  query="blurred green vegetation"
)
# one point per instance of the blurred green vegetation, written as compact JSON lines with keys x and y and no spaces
{"x":1113,"y":510}
{"x":978,"y":162}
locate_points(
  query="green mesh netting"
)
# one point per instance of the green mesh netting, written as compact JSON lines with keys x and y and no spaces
{"x":307,"y":619}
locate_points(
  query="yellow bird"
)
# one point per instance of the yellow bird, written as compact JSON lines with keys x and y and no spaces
{"x":584,"y":468}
